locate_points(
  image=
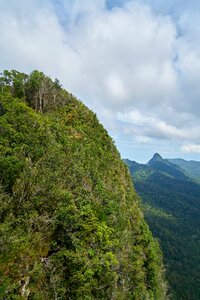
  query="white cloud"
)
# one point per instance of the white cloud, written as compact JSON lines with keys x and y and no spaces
{"x":116,"y":56}
{"x":129,"y":54}
{"x":138,"y":124}
{"x":143,"y":140}
{"x":191,"y":148}
{"x":130,"y":64}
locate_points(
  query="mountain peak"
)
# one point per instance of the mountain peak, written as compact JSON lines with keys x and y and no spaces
{"x":157,"y":156}
{"x":155,"y":159}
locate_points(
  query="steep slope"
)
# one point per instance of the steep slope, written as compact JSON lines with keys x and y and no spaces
{"x":172,"y":209}
{"x":70,"y":222}
{"x":191,"y":167}
{"x":164,"y":166}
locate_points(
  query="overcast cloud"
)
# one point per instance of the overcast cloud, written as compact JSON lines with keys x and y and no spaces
{"x":136,"y":65}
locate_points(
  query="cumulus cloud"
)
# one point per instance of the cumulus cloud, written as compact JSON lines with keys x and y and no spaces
{"x":156,"y":128}
{"x":191,"y":148}
{"x":134,"y":64}
{"x":123,"y":56}
{"x":129,"y":54}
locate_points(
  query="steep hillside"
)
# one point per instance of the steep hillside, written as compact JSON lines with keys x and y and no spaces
{"x":191,"y":167}
{"x":164,"y":166}
{"x":172,"y":209}
{"x":70,"y":222}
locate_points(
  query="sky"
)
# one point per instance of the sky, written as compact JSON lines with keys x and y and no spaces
{"x":136,"y":64}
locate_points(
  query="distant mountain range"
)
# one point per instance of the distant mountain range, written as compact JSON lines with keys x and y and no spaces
{"x":192,"y":167}
{"x":170,"y":195}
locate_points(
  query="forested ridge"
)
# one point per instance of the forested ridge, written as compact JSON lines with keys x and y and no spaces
{"x":171,"y":203}
{"x":192,"y":167}
{"x":71,"y":226}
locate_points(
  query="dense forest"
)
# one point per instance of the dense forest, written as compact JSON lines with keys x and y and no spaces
{"x":171,"y":201}
{"x":191,"y":167}
{"x":71,"y":226}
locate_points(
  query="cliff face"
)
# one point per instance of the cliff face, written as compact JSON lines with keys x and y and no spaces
{"x":70,"y":222}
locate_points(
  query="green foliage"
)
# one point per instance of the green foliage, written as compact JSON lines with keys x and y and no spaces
{"x":70,"y":222}
{"x":192,"y":168}
{"x":172,"y":210}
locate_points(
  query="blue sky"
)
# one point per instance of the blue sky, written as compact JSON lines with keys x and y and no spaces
{"x":135,"y":63}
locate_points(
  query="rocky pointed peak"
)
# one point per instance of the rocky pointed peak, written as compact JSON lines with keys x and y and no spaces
{"x":156,"y":157}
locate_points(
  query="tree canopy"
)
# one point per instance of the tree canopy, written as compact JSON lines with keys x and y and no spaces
{"x":70,"y":222}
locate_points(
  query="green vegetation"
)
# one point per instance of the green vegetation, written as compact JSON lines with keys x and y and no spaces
{"x":70,"y":222}
{"x":192,"y":168}
{"x":172,"y":210}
